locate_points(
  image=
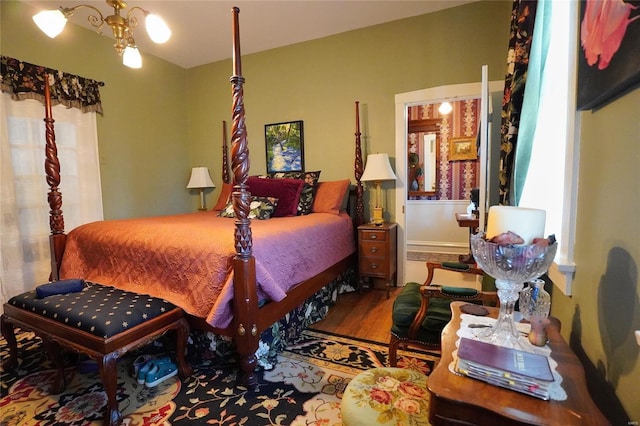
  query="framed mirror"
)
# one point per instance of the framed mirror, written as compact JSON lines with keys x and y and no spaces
{"x":423,"y":157}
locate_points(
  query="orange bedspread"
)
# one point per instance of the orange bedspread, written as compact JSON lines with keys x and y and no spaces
{"x":187,"y":259}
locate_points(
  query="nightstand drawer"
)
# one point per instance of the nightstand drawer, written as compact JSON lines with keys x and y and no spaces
{"x":373,"y":235}
{"x":377,"y":253}
{"x":372,"y":249}
{"x":374,"y":267}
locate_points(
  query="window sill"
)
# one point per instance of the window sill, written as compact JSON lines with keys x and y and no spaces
{"x":561,"y":274}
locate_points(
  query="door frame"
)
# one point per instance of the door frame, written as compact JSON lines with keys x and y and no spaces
{"x":403,"y":101}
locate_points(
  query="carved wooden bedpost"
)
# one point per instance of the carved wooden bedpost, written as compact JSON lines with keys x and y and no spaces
{"x":225,"y":159}
{"x":358,"y":170}
{"x":245,"y":295}
{"x":57,"y":238}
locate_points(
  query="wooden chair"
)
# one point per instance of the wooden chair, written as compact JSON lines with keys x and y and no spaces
{"x":421,"y":311}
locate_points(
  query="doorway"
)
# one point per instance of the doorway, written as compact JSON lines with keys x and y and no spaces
{"x":437,"y":216}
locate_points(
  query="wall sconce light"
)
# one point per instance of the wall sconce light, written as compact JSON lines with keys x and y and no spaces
{"x":200,"y":179}
{"x":52,"y":22}
{"x":376,"y":170}
{"x":445,"y":108}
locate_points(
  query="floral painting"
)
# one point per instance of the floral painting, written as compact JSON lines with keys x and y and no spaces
{"x":608,"y":59}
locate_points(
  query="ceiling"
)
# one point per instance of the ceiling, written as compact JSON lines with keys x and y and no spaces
{"x":202,"y":29}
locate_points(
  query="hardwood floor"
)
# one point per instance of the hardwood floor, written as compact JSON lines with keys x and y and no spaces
{"x":365,"y":315}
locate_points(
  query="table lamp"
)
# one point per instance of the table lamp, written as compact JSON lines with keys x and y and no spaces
{"x":200,"y":179}
{"x":376,"y":170}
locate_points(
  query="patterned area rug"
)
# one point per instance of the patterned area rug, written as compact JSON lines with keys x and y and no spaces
{"x":303,"y":388}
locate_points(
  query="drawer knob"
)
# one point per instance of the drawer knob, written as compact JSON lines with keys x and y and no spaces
{"x":374,"y":249}
{"x":374,"y":266}
{"x":373,"y":236}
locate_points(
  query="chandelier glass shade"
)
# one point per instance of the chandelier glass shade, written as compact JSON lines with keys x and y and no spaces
{"x":52,"y":22}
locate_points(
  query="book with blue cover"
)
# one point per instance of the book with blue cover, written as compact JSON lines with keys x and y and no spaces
{"x":513,"y":369}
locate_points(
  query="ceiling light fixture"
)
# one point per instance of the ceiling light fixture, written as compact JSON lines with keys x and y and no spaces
{"x":52,"y":22}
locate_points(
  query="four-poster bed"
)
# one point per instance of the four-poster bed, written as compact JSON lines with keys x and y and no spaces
{"x":258,"y":290}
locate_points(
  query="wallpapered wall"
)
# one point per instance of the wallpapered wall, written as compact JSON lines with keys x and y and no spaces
{"x":458,"y":177}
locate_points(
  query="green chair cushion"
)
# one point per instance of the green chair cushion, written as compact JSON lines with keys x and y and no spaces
{"x":456,"y":265}
{"x":407,"y":305}
{"x":459,"y":291}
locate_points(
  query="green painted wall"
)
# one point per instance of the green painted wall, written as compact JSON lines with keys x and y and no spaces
{"x":150,"y":139}
{"x":144,"y":156}
{"x":601,"y":316}
{"x":320,"y":80}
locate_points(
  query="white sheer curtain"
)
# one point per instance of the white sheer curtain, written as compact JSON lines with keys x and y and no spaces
{"x":24,"y":210}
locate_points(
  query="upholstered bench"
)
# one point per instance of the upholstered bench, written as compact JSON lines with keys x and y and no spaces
{"x":100,"y":321}
{"x":386,"y":396}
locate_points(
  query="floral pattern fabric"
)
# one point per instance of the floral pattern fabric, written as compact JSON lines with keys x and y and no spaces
{"x":284,"y":332}
{"x":261,"y":208}
{"x":387,"y":396}
{"x":304,"y":388}
{"x":26,"y":81}
{"x":522,"y":22}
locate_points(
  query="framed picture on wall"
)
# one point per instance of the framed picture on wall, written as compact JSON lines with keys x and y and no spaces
{"x":608,"y":59}
{"x":463,"y":149}
{"x":284,"y":144}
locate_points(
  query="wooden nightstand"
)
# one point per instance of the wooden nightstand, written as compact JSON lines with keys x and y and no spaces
{"x":377,"y":253}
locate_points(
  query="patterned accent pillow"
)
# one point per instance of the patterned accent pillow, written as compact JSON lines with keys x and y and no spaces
{"x":260,"y":208}
{"x":308,"y":190}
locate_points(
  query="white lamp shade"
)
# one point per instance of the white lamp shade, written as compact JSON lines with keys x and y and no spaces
{"x":51,"y":22}
{"x":131,"y":57}
{"x":378,"y":168}
{"x":157,"y":29}
{"x":200,"y":178}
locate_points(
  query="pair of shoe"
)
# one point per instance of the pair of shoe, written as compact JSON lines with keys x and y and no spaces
{"x":152,"y":371}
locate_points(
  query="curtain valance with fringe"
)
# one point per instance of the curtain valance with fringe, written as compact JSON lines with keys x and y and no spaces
{"x":23,"y":80}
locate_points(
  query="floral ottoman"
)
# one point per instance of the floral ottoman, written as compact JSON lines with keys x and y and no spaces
{"x":386,"y":396}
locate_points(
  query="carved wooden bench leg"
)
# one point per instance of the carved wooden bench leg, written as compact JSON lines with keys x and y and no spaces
{"x":53,"y":351}
{"x":6,"y":328}
{"x":107,"y":367}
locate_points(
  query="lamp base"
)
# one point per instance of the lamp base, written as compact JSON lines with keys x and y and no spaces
{"x":377,"y":216}
{"x":202,"y":207}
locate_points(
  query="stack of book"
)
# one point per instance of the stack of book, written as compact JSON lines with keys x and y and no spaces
{"x":513,"y":369}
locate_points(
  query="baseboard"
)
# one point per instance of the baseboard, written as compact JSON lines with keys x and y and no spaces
{"x":423,"y":256}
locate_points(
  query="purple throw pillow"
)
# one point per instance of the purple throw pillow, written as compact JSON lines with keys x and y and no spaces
{"x":287,"y":191}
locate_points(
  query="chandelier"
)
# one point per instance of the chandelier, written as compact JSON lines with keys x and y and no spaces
{"x":52,"y":22}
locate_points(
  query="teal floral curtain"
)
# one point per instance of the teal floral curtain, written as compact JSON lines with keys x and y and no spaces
{"x":26,"y":81}
{"x":521,"y":35}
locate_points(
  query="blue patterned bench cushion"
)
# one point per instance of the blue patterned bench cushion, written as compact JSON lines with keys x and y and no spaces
{"x":98,"y":309}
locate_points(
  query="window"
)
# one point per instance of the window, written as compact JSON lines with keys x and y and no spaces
{"x":551,"y":180}
{"x":24,"y":210}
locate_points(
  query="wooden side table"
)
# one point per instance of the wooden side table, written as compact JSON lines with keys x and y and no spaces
{"x":462,"y":400}
{"x":472,"y":222}
{"x":377,"y":252}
